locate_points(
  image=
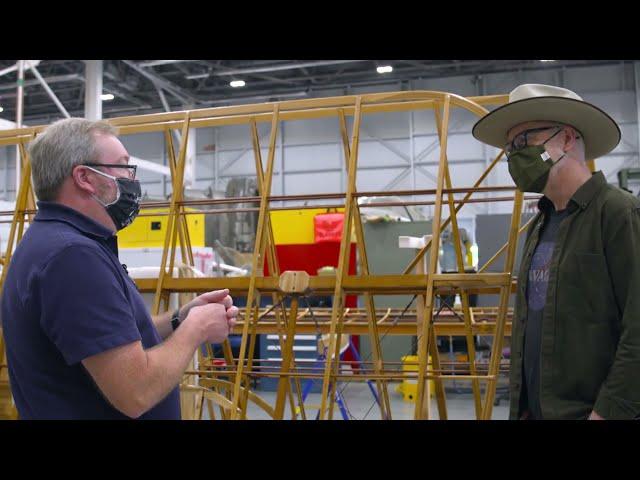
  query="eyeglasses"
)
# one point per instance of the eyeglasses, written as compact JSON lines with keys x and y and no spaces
{"x":131,"y":173}
{"x":521,"y":140}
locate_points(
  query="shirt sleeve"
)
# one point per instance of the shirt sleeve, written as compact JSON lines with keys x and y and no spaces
{"x":84,"y":309}
{"x":619,"y":396}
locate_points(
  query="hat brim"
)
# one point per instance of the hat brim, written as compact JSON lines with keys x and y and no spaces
{"x":600,"y":132}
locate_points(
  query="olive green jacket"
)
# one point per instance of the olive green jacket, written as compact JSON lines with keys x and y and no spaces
{"x":590,"y":347}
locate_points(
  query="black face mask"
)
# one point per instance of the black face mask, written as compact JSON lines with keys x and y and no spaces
{"x":124,"y":209}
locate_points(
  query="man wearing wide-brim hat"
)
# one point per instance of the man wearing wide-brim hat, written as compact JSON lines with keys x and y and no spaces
{"x":575,"y":345}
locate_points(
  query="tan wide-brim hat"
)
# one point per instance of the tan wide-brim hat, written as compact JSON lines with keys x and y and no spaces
{"x":534,"y":102}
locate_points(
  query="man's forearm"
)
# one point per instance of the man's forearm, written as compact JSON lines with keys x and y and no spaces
{"x":163,"y":324}
{"x":166,"y":364}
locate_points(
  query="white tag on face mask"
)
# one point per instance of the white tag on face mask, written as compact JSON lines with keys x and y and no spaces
{"x":545,"y":156}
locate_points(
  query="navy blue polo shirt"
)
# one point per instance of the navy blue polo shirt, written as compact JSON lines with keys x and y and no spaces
{"x":67,"y":297}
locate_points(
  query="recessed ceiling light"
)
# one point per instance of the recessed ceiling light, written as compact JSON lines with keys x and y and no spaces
{"x":1,"y":109}
{"x":547,"y":60}
{"x":106,"y":97}
{"x":385,"y":69}
{"x":237,"y":83}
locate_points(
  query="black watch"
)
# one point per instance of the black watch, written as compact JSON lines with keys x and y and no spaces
{"x":175,"y":319}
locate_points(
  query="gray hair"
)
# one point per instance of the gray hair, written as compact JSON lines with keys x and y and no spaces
{"x":63,"y":145}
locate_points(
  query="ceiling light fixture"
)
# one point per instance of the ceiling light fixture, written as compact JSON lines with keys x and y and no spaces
{"x":106,"y":96}
{"x":385,"y":69}
{"x":237,"y":83}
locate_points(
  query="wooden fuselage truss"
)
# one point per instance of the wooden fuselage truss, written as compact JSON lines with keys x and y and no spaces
{"x":422,"y":321}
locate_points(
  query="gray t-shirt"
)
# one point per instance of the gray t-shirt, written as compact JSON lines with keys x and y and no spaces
{"x":538,"y":280}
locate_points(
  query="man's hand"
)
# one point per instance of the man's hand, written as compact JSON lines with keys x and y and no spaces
{"x":209,"y":323}
{"x":594,"y":416}
{"x":216,"y":296}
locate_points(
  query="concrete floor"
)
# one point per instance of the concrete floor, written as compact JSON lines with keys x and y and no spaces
{"x":360,"y":405}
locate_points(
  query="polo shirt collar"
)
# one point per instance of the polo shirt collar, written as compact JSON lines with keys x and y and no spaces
{"x":53,"y":211}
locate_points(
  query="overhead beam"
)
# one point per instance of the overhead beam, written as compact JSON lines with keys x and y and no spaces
{"x":50,"y":92}
{"x":157,"y":63}
{"x":279,"y":68}
{"x":175,"y":90}
{"x":54,"y":79}
{"x":163,"y":98}
{"x":13,"y":68}
{"x":125,"y":96}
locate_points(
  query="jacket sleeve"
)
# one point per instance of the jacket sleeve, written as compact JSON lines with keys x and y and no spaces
{"x":619,"y":396}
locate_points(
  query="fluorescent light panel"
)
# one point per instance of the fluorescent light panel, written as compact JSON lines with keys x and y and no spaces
{"x":196,"y":76}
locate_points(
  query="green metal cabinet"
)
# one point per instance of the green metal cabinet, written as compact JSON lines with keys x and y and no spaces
{"x":381,"y":241}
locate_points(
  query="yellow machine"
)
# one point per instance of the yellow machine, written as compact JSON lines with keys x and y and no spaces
{"x":149,"y":230}
{"x":295,"y":226}
{"x":409,"y":388}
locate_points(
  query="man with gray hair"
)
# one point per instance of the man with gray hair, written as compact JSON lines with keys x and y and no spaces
{"x":80,"y":341}
{"x":575,"y":344}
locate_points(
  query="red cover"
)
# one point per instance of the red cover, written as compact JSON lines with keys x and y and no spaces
{"x":327,"y":227}
{"x":310,"y":257}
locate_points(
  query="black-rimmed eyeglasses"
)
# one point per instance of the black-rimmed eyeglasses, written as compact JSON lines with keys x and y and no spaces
{"x":521,"y":140}
{"x":131,"y":169}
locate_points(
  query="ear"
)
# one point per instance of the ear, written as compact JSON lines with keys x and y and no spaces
{"x":80,"y":177}
{"x":570,"y":137}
